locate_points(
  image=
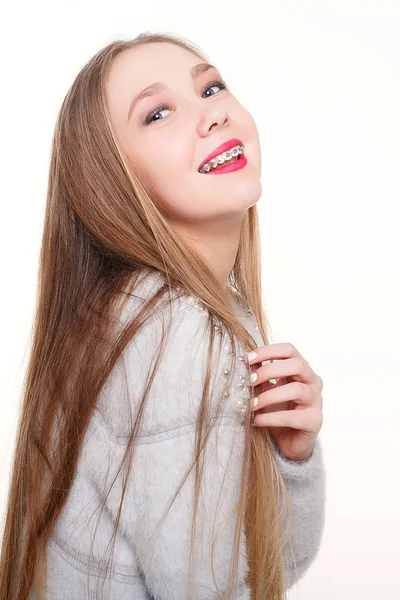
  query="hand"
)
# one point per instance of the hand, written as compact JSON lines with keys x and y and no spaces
{"x":291,"y":408}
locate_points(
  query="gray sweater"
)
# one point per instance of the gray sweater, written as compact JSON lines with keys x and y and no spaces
{"x":156,"y":567}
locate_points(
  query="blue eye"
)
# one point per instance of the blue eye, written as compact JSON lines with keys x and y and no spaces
{"x":221,"y":84}
{"x":149,"y":119}
{"x":155,"y":112}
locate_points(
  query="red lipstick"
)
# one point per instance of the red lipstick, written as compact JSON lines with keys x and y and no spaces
{"x":222,"y":148}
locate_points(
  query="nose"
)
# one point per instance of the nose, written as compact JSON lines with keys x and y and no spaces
{"x":213,"y":117}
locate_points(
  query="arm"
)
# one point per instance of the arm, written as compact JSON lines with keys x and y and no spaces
{"x":164,"y":452}
{"x":305,"y":483}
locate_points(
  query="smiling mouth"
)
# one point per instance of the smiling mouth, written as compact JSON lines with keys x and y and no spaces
{"x":223,"y":159}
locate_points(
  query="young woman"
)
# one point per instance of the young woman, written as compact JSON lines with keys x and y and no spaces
{"x":144,"y":468}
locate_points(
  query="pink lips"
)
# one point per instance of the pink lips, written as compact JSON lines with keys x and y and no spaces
{"x":222,"y":148}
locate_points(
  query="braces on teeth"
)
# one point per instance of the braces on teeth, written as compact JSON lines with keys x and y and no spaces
{"x":221,"y":158}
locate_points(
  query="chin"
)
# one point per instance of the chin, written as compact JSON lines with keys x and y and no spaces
{"x":249,"y":191}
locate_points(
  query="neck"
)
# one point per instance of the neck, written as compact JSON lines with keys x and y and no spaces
{"x":217,"y":241}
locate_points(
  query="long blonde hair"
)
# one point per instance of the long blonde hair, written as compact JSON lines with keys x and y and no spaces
{"x":101,"y":229}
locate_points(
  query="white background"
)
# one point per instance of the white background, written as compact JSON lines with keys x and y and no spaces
{"x":322,"y":80}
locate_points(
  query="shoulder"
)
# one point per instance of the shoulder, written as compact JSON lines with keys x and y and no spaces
{"x":179,"y":319}
{"x":174,"y":393}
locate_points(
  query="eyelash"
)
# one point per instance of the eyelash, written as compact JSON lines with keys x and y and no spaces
{"x":161,"y":107}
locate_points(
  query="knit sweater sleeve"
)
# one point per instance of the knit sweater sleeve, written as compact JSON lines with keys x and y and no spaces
{"x":305,"y":483}
{"x":158,"y":533}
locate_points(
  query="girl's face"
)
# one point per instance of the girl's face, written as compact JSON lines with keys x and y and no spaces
{"x":170,"y":130}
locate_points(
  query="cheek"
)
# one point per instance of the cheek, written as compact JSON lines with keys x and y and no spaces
{"x":251,"y":128}
{"x":182,"y":195}
{"x":170,"y":177}
{"x":250,"y":132}
{"x":166,"y":161}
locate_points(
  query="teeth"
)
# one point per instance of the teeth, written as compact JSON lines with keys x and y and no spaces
{"x":221,"y":158}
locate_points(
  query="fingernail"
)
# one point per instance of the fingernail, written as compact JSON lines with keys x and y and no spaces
{"x":253,"y":377}
{"x":251,"y":356}
{"x":255,"y":401}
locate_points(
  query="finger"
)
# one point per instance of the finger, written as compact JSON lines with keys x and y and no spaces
{"x":296,"y":368}
{"x":296,"y":419}
{"x":295,"y":391}
{"x":271,"y":351}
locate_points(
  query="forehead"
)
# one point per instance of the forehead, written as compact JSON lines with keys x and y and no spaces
{"x":136,"y":68}
{"x":153,"y":59}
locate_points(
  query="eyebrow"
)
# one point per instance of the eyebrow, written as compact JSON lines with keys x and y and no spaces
{"x":154,"y":88}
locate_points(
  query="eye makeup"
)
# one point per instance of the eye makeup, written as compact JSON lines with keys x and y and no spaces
{"x":148,"y":119}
